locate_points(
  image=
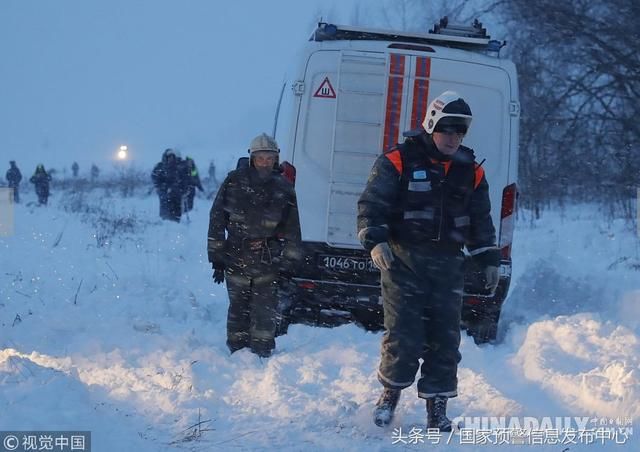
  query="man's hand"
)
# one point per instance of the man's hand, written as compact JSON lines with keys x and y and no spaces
{"x":218,"y":273}
{"x":492,"y":277}
{"x":285,"y":268}
{"x":382,"y":256}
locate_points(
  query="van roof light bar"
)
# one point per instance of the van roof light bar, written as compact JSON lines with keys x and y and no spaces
{"x":443,"y":33}
{"x":445,"y":28}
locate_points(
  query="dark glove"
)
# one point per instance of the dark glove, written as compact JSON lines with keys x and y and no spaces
{"x":218,"y":273}
{"x":283,"y":265}
{"x":489,"y":257}
{"x":286,"y":272}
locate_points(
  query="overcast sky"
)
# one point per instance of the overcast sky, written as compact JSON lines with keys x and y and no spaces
{"x":78,"y":78}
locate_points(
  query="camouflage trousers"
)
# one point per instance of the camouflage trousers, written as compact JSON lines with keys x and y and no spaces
{"x":252,"y":316}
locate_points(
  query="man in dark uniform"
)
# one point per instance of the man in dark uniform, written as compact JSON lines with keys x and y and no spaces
{"x":167,"y":179}
{"x":257,"y":209}
{"x":424,"y":200}
{"x":191,"y":182}
{"x":14,"y":176}
{"x":95,"y":172}
{"x":41,"y":180}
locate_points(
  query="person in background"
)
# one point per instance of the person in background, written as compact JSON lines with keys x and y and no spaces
{"x":425,"y":199}
{"x":95,"y":172}
{"x":75,"y":168}
{"x":167,"y":180}
{"x":14,"y":176}
{"x":192,"y":181}
{"x":254,"y":234}
{"x":213,"y":180}
{"x":41,"y":180}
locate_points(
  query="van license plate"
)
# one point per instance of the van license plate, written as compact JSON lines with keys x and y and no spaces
{"x":346,"y":263}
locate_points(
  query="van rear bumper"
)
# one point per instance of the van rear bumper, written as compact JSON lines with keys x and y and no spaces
{"x":336,"y":295}
{"x":325,"y":294}
{"x":344,"y":287}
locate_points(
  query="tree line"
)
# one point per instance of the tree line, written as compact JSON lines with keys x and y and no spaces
{"x":579,"y":70}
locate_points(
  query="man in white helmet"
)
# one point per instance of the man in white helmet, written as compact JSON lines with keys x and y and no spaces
{"x":254,"y":233}
{"x":425,"y":199}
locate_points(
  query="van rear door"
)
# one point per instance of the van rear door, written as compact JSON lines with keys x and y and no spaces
{"x":337,"y":139}
{"x":356,"y":140}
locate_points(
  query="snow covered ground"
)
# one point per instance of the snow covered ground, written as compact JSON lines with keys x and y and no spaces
{"x":123,"y":335}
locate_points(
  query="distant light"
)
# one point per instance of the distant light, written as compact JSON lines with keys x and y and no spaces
{"x":122,"y":153}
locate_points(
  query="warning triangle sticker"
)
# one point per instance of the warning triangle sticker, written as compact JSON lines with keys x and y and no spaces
{"x":325,"y":90}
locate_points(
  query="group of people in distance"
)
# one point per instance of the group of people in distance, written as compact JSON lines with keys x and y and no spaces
{"x":175,"y":180}
{"x":41,"y":179}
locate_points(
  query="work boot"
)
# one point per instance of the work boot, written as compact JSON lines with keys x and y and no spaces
{"x":262,"y":353}
{"x":234,"y":346}
{"x":386,"y":406}
{"x":437,"y":414}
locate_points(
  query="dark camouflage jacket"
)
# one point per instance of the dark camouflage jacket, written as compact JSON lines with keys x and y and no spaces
{"x":251,"y":215}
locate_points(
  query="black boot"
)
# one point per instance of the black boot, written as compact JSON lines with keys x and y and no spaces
{"x":262,"y":353}
{"x":234,"y":344}
{"x":437,"y":414}
{"x":386,"y":406}
{"x":235,"y":347}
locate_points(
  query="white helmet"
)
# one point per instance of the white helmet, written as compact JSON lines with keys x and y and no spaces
{"x":448,"y":110}
{"x":263,"y":142}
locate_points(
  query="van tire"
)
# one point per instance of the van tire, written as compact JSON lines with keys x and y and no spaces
{"x":484,"y":329}
{"x":282,"y":323}
{"x":370,"y":320}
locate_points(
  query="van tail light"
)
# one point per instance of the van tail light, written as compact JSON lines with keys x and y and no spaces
{"x":289,"y":172}
{"x":507,"y":220}
{"x":309,"y":285}
{"x":472,"y":300}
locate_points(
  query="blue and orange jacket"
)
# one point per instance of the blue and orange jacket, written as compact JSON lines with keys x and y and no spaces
{"x":416,"y":195}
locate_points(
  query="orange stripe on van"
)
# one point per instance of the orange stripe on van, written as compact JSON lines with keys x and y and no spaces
{"x":396,"y":159}
{"x":420,"y":91}
{"x":394,"y":101}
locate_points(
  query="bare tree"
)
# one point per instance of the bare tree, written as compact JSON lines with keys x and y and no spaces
{"x":579,"y":65}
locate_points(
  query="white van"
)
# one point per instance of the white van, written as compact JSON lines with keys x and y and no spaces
{"x":356,"y":92}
